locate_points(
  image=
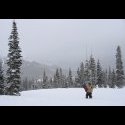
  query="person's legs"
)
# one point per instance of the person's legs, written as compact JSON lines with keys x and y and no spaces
{"x":86,"y":94}
{"x":90,"y":95}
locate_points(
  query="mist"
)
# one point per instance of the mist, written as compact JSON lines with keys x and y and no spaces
{"x":66,"y":42}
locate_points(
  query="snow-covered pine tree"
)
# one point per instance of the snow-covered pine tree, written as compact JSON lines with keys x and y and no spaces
{"x":69,"y":79}
{"x":61,"y":78}
{"x":25,"y":84}
{"x":119,"y":69}
{"x":87,"y":72}
{"x":77,"y":79}
{"x":99,"y":75}
{"x":56,"y":79}
{"x":45,"y":80}
{"x":64,"y":81}
{"x":113,"y":79}
{"x":30,"y":84}
{"x":105,"y":78}
{"x":92,"y":68}
{"x":51,"y":83}
{"x":81,"y":74}
{"x":14,"y":63}
{"x":1,"y":79}
{"x":109,"y":77}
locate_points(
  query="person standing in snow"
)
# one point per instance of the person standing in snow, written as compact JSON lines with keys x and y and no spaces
{"x":88,"y":89}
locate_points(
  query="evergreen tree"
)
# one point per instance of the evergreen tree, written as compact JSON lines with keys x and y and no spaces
{"x":64,"y":81}
{"x":99,"y":75}
{"x":14,"y":63}
{"x":81,"y":75}
{"x":113,"y":79}
{"x":45,"y":80}
{"x":119,"y":69}
{"x":69,"y":79}
{"x":51,"y":83}
{"x":31,"y":84}
{"x":77,"y":79}
{"x":105,"y":79}
{"x":61,"y":80}
{"x":87,"y":72}
{"x":92,"y":67}
{"x":56,"y":79}
{"x":1,"y":79}
{"x":110,"y":77}
{"x":25,"y":85}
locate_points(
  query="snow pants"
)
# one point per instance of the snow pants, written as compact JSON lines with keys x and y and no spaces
{"x":88,"y":94}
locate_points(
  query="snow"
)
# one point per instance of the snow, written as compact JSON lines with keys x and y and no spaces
{"x":66,"y":97}
{"x":39,"y":80}
{"x":13,"y":70}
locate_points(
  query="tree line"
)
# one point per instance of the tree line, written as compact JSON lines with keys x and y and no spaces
{"x":88,"y":71}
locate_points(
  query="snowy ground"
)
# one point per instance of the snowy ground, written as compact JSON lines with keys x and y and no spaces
{"x":66,"y":97}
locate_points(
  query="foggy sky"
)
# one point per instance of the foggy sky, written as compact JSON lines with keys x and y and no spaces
{"x":66,"y":42}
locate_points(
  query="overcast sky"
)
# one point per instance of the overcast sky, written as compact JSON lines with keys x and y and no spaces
{"x":66,"y":42}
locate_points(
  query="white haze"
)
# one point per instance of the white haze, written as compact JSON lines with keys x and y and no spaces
{"x":66,"y":42}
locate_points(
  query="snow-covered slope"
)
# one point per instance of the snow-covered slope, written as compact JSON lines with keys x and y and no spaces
{"x":66,"y":97}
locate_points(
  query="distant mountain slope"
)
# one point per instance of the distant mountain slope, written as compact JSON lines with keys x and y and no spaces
{"x":34,"y":70}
